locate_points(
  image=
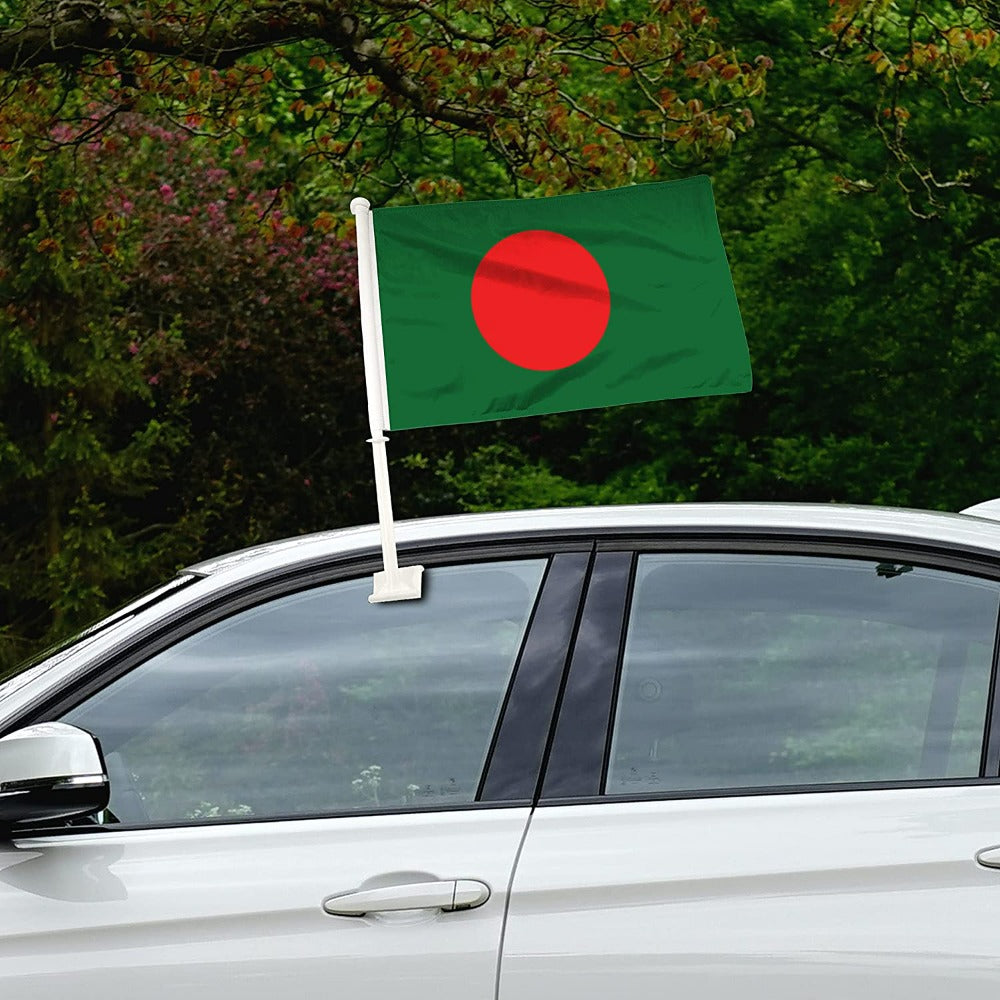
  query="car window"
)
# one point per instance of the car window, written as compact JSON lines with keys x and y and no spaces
{"x":745,"y":671}
{"x":319,"y":702}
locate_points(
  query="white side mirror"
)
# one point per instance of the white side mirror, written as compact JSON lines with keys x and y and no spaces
{"x":50,"y":771}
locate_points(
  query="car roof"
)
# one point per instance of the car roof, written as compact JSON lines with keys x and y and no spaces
{"x":959,"y":531}
{"x":942,"y":532}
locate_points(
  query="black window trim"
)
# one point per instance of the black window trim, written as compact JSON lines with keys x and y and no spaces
{"x":576,"y":761}
{"x":249,"y":593}
{"x":522,"y":739}
{"x":758,"y":790}
{"x":784,"y":540}
{"x":757,"y":542}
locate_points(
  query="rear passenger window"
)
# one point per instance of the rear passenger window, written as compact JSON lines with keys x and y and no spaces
{"x":747,"y":671}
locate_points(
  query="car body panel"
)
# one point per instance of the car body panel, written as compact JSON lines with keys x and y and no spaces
{"x":821,"y":895}
{"x":902,"y":524}
{"x":236,"y":909}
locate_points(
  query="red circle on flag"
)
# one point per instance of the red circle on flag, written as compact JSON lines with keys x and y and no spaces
{"x":540,"y":300}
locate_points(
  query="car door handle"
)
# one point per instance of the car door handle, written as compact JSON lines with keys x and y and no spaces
{"x":989,"y":857}
{"x":450,"y":895}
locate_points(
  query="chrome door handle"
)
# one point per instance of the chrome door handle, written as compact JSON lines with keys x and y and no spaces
{"x":450,"y":895}
{"x":989,"y":857}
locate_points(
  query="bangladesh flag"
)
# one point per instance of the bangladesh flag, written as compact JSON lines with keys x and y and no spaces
{"x":504,"y":309}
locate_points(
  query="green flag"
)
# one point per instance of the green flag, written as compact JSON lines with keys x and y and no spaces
{"x":504,"y":309}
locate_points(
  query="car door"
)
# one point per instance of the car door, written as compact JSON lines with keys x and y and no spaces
{"x":769,"y":779}
{"x":310,"y":795}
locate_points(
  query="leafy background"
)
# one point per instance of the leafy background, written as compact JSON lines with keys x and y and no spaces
{"x":179,"y":348}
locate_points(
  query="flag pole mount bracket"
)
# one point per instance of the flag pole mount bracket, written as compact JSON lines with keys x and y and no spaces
{"x":403,"y":585}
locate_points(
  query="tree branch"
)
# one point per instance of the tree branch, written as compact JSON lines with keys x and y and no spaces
{"x":801,"y":139}
{"x":362,"y":54}
{"x":77,"y":30}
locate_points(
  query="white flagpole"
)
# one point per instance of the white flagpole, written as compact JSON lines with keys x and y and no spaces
{"x":393,"y":583}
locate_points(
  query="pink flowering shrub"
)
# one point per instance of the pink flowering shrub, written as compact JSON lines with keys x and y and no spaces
{"x":186,"y":337}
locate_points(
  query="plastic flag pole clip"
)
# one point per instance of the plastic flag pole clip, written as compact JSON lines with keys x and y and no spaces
{"x":394,"y":583}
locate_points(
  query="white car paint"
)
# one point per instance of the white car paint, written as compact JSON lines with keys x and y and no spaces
{"x":236,"y":910}
{"x":49,"y":750}
{"x":863,"y":894}
{"x":890,"y":522}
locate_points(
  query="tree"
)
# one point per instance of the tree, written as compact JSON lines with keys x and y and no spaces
{"x":864,"y":260}
{"x":172,"y":351}
{"x":180,"y":358}
{"x":83,"y":436}
{"x":563,"y":95}
{"x":880,"y":92}
{"x":934,"y":67}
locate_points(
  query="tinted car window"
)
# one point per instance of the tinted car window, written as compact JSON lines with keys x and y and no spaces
{"x":319,"y":702}
{"x":748,"y":671}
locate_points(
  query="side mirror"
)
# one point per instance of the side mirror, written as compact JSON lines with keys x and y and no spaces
{"x":50,"y":771}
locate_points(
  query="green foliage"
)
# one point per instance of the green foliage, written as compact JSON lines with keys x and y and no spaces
{"x":179,"y":363}
{"x":84,"y":436}
{"x":867,"y":287}
{"x":498,"y":476}
{"x":411,"y":97}
{"x":175,"y":348}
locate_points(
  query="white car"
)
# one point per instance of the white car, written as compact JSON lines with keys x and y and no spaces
{"x":674,"y":751}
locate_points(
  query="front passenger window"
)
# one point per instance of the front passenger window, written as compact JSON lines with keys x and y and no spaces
{"x":319,"y":702}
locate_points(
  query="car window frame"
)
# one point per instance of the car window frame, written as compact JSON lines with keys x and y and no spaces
{"x":551,"y":623}
{"x":577,"y":767}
